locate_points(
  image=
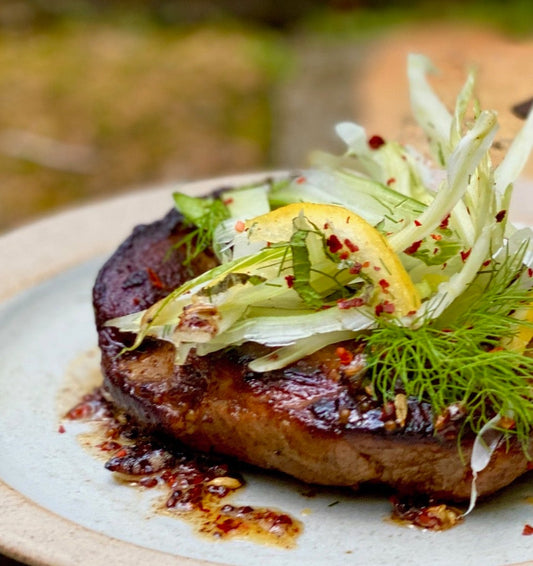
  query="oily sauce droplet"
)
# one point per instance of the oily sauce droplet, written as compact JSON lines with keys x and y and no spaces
{"x":424,"y":513}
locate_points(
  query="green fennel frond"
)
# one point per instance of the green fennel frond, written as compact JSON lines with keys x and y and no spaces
{"x":463,"y":362}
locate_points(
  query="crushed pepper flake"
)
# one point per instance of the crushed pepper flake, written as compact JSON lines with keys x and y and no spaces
{"x":375,"y":142}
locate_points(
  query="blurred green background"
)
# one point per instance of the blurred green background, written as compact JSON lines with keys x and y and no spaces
{"x":103,"y":96}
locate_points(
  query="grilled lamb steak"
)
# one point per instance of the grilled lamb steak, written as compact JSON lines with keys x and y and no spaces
{"x":313,"y":420}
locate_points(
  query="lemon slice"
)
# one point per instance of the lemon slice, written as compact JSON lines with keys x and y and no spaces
{"x":519,"y":341}
{"x":353,"y":239}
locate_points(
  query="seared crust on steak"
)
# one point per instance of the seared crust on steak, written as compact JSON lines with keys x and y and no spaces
{"x":313,"y":420}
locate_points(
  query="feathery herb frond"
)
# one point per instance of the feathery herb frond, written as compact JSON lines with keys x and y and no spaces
{"x":464,"y":362}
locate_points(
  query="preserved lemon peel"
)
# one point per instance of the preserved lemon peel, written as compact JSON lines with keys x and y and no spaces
{"x":359,"y":241}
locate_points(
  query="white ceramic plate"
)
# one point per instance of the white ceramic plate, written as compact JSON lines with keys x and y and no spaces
{"x":60,"y":507}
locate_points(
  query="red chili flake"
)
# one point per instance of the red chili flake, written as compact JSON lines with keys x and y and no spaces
{"x":391,"y":181}
{"x":334,"y":244}
{"x":387,"y":411}
{"x":527,"y":530}
{"x":486,"y":263}
{"x":228,"y":201}
{"x":148,"y":482}
{"x":501,"y":215}
{"x":354,"y":302}
{"x":351,"y":246}
{"x":109,"y":446}
{"x":445,"y":221}
{"x":154,"y":279}
{"x":344,"y":255}
{"x":435,"y":251}
{"x":464,"y":255}
{"x":384,"y":284}
{"x":240,"y":226}
{"x":366,"y":264}
{"x":326,"y":226}
{"x":136,"y":301}
{"x":384,"y":307}
{"x":530,"y":271}
{"x":377,"y":268}
{"x":168,"y":477}
{"x":121,"y":453}
{"x":388,"y":307}
{"x":228,"y":525}
{"x":356,"y":268}
{"x":344,"y":355}
{"x":497,"y":349}
{"x":418,"y":223}
{"x":436,"y":237}
{"x":61,"y":429}
{"x":375,"y":142}
{"x":301,"y":180}
{"x":81,"y":411}
{"x":290,"y":281}
{"x":413,"y":248}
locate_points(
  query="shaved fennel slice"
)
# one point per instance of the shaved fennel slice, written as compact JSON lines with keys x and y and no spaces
{"x":462,"y":101}
{"x":230,"y":245}
{"x":247,"y":202}
{"x":242,"y":204}
{"x":486,"y":442}
{"x":516,"y":241}
{"x":373,"y":201}
{"x":224,"y":309}
{"x":470,"y":213}
{"x":429,"y":111}
{"x":160,"y":319}
{"x":354,"y":136}
{"x":388,"y":163}
{"x":288,"y":329}
{"x":128,"y":323}
{"x":284,"y":356}
{"x":462,"y":164}
{"x":517,"y":155}
{"x":450,"y":290}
